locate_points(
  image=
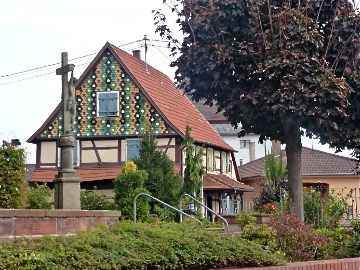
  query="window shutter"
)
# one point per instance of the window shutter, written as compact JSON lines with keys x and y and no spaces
{"x":112,"y":104}
{"x":102,"y":110}
{"x":132,"y":149}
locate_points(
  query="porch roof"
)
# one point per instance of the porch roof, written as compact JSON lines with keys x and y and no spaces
{"x":85,"y":174}
{"x":222,"y":182}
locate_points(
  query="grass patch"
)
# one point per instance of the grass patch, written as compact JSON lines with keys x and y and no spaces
{"x":135,"y":246}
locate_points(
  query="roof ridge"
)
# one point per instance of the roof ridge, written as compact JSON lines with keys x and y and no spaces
{"x":327,"y":153}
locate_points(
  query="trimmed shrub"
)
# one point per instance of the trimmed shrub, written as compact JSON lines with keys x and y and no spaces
{"x":135,"y":246}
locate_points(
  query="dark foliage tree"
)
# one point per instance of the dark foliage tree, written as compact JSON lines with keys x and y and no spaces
{"x":275,"y":66}
{"x":162,"y":182}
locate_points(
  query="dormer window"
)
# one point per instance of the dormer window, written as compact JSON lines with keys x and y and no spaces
{"x":107,"y":103}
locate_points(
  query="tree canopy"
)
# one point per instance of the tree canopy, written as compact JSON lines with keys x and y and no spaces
{"x":275,"y":66}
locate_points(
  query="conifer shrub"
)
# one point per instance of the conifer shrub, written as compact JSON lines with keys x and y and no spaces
{"x":162,"y":182}
{"x":130,"y":245}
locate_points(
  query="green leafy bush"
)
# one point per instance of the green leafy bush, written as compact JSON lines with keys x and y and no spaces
{"x":91,"y":200}
{"x":354,"y":242}
{"x":12,"y":179}
{"x":135,"y":246}
{"x":324,"y":212}
{"x":128,"y":184}
{"x":39,"y":197}
{"x":263,"y":235}
{"x":245,"y":218}
{"x":339,"y":242}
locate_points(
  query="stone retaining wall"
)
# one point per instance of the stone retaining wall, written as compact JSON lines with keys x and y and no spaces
{"x":19,"y":222}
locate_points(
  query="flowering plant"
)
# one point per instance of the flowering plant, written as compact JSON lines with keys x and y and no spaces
{"x":270,"y":208}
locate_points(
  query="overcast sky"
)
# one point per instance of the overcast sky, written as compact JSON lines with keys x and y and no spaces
{"x":33,"y":35}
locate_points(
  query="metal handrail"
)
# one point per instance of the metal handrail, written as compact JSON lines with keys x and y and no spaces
{"x":216,"y":214}
{"x":163,"y":203}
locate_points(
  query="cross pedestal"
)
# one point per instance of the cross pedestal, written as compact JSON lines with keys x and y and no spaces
{"x":67,"y":181}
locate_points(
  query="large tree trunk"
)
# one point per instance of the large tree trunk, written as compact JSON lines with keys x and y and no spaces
{"x":293,"y":154}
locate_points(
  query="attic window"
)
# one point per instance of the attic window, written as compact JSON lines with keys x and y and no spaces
{"x":107,"y":103}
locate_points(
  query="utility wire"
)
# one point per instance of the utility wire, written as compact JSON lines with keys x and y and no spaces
{"x":46,"y":66}
{"x":28,"y":78}
{"x":161,"y":52}
{"x":36,"y":70}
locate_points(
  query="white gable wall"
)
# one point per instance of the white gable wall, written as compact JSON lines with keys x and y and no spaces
{"x":244,"y":153}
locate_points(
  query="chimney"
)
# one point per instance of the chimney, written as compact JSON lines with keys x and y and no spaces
{"x":252,"y":151}
{"x":276,"y":147}
{"x":137,"y":54}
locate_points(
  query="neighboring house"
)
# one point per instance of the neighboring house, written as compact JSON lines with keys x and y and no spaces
{"x":29,"y":170}
{"x":319,"y":170}
{"x":116,"y":97}
{"x":247,"y":147}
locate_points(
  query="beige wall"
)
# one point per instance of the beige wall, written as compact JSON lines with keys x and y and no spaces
{"x":335,"y":181}
{"x":107,"y":143}
{"x":88,"y":156}
{"x":171,"y":151}
{"x":106,"y":155}
{"x":48,"y":152}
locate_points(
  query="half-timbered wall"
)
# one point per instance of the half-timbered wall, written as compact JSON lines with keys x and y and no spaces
{"x":216,"y":161}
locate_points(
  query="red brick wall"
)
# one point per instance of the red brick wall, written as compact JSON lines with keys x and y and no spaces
{"x":19,"y":222}
{"x":341,"y":264}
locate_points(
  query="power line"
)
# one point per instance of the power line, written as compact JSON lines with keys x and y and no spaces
{"x":33,"y":70}
{"x":50,"y":65}
{"x":161,"y":52}
{"x":52,"y":72}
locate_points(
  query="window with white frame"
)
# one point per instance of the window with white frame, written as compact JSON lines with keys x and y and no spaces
{"x":244,"y":143}
{"x":107,"y":103}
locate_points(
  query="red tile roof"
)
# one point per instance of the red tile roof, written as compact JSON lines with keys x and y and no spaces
{"x":85,"y":174}
{"x":170,"y":101}
{"x":222,"y":182}
{"x":314,"y":162}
